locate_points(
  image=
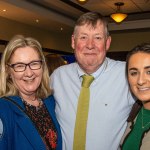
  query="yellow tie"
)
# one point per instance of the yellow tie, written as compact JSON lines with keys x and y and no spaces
{"x":82,"y":114}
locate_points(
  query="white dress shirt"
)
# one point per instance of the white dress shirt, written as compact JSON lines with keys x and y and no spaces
{"x":110,"y":104}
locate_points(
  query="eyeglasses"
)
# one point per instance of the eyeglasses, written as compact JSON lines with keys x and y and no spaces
{"x":20,"y":67}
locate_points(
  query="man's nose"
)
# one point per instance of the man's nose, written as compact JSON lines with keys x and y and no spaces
{"x":90,"y":43}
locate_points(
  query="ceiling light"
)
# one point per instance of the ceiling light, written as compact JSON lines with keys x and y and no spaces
{"x":37,"y":21}
{"x":81,"y":1}
{"x":118,"y":16}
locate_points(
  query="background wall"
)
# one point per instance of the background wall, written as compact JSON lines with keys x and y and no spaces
{"x":57,"y":41}
{"x":126,"y":40}
{"x":121,"y":40}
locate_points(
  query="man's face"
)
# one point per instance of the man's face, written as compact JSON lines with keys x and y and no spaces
{"x":90,"y":45}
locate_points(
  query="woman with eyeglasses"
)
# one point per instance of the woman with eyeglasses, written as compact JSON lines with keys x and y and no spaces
{"x":27,"y":108}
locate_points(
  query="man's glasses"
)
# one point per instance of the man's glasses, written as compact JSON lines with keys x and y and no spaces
{"x":20,"y":67}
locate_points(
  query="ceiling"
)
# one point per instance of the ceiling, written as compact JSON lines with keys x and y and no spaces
{"x":56,"y":15}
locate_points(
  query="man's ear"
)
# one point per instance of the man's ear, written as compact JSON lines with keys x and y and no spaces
{"x":108,"y":42}
{"x":73,"y":42}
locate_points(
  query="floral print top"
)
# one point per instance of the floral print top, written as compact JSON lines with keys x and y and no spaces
{"x":43,"y":123}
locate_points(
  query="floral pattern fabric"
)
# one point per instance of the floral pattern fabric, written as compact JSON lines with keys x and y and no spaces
{"x":44,"y":124}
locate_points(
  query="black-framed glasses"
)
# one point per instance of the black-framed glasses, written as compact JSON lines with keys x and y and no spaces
{"x":20,"y":67}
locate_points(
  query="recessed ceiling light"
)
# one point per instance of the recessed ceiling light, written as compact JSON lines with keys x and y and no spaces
{"x":82,"y":1}
{"x":61,"y":29}
{"x":37,"y":20}
{"x":4,"y":10}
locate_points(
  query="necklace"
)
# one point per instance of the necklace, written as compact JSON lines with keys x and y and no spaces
{"x":143,"y":126}
{"x":40,"y":103}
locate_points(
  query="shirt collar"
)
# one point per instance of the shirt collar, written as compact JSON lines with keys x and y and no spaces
{"x":96,"y":74}
{"x":101,"y":69}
